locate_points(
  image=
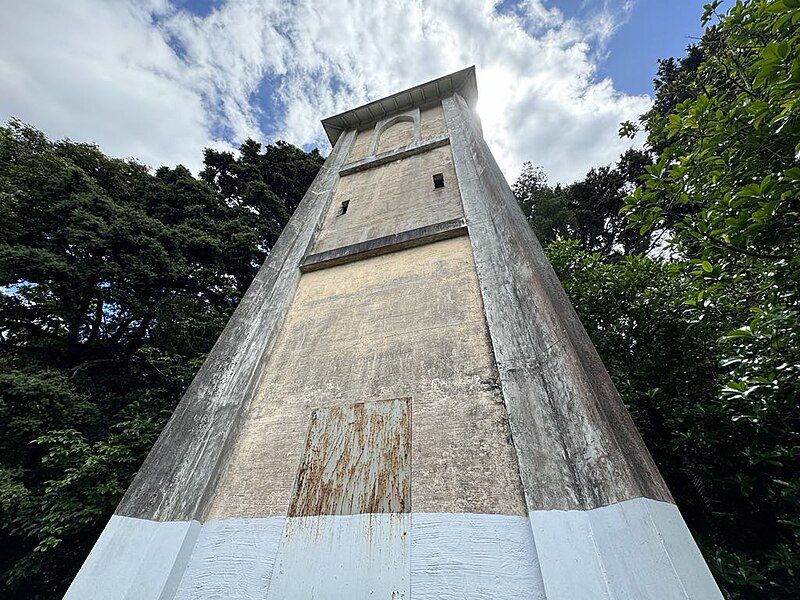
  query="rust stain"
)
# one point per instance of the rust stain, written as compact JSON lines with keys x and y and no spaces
{"x":357,"y":460}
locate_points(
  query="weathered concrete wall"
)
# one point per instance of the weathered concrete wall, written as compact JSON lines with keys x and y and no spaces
{"x":360,"y":149}
{"x":385,"y":245}
{"x":391,"y":198}
{"x":604,"y":525}
{"x":431,"y":125}
{"x":180,"y":473}
{"x":408,"y":324}
{"x":396,"y":136}
{"x":370,"y":401}
{"x":576,"y":443}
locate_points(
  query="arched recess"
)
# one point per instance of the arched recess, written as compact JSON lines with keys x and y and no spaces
{"x":395,"y":132}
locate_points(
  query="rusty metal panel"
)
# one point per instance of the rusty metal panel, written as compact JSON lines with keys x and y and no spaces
{"x":357,"y":460}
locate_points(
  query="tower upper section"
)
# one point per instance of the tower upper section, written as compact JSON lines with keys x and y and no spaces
{"x":398,"y":184}
{"x":463,"y":82}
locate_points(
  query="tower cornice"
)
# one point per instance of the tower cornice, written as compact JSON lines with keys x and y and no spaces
{"x":462,"y":81}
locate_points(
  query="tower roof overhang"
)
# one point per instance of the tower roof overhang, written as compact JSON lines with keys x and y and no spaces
{"x":462,"y":81}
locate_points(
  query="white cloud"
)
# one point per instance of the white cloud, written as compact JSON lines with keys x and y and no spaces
{"x":107,"y":72}
{"x":101,"y":72}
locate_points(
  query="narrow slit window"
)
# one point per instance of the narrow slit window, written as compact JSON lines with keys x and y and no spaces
{"x":343,"y":208}
{"x":438,"y":181}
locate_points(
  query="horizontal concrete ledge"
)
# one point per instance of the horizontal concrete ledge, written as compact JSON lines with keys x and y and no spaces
{"x":384,"y":245}
{"x":382,"y":159}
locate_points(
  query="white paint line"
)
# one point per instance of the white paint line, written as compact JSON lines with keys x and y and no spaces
{"x":466,"y":556}
{"x":336,"y":557}
{"x":634,"y":550}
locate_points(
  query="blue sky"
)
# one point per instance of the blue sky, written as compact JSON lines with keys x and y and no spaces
{"x":646,"y":31}
{"x":159,"y":80}
{"x":655,"y":29}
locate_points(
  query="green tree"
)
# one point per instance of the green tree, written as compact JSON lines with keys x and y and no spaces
{"x":115,"y":281}
{"x":269,"y":184}
{"x":661,"y":349}
{"x":587,"y":210}
{"x":703,"y":341}
{"x":726,"y":130}
{"x":544,"y":206}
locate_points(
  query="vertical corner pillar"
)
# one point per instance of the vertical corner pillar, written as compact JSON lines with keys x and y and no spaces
{"x":145,"y":548}
{"x":603,"y":520}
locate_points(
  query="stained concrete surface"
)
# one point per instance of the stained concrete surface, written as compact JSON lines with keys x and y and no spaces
{"x":408,"y":324}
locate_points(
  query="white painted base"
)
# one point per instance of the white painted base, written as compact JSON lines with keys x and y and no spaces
{"x":341,"y":557}
{"x":135,"y":559}
{"x":232,"y":560}
{"x":640,"y":549}
{"x":456,"y":556}
{"x":635,"y":550}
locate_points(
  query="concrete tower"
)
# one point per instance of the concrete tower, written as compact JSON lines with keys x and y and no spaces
{"x":403,"y":406}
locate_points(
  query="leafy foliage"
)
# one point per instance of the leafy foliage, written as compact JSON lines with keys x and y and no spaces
{"x":726,"y":183}
{"x":703,"y":341}
{"x":269,"y":184}
{"x":588,"y":209}
{"x":729,"y":471}
{"x":116,"y":281}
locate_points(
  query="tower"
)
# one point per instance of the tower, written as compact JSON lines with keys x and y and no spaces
{"x":404,"y":406}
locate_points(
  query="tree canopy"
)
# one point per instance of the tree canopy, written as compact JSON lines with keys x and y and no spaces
{"x":587,"y":210}
{"x":701,"y":333}
{"x":682,"y":260}
{"x":116,"y":282}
